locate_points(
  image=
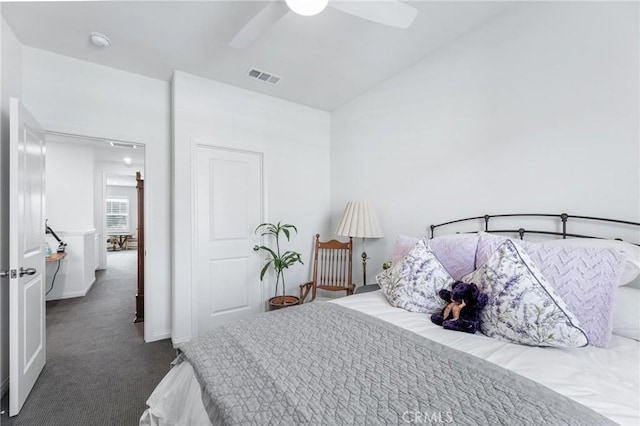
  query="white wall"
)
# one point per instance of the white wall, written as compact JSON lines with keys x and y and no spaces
{"x":78,"y":97}
{"x":69,"y":191}
{"x":10,"y":86}
{"x":295,"y":140}
{"x":535,"y":112}
{"x":69,"y":195}
{"x":77,"y":270}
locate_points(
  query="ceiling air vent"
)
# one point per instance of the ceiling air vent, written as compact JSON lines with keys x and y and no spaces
{"x":263,"y":76}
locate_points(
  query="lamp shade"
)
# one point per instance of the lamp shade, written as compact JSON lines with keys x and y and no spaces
{"x":359,"y":220}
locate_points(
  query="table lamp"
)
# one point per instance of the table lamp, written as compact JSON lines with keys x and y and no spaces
{"x":359,"y":220}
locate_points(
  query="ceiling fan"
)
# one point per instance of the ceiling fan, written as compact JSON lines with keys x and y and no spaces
{"x":386,"y":12}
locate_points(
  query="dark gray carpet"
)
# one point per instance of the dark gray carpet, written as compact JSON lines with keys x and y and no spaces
{"x":99,"y":371}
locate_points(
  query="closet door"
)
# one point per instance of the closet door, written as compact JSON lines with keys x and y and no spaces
{"x":228,"y":192}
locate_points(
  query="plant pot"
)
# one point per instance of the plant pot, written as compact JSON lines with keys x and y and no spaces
{"x":280,"y":302}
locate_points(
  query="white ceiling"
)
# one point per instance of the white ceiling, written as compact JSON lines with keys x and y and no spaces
{"x":324,"y":60}
{"x":105,"y":153}
{"x":121,"y":180}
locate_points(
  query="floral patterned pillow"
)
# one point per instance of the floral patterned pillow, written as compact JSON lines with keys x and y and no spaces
{"x":413,"y":283}
{"x":523,"y":308}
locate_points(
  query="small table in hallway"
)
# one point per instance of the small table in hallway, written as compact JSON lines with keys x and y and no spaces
{"x":55,"y":257}
{"x":118,"y":241}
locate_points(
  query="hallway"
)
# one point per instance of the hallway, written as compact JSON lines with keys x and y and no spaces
{"x":99,"y":371}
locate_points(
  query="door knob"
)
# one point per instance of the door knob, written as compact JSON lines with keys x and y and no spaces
{"x":28,"y":271}
{"x":256,"y":248}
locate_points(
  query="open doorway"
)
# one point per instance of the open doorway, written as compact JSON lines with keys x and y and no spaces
{"x":95,"y":204}
{"x":124,"y":228}
{"x":89,"y":328}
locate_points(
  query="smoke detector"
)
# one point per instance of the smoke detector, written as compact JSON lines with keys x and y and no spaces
{"x":99,"y":40}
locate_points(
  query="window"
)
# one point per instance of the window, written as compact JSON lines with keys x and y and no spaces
{"x":117,"y":215}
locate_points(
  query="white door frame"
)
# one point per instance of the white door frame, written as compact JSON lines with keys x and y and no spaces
{"x":195,"y":143}
{"x":148,"y":307}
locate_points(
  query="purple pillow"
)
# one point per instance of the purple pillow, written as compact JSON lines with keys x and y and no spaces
{"x":585,"y":279}
{"x":456,"y":252}
{"x":402,"y":247}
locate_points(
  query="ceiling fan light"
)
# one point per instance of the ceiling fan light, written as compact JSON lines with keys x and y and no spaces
{"x":307,"y":7}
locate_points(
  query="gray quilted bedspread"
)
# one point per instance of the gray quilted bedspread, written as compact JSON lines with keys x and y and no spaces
{"x":322,"y":363}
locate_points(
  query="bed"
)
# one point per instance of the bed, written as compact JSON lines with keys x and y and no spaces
{"x":360,"y":360}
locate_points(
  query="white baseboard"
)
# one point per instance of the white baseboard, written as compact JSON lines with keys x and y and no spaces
{"x":159,"y":335}
{"x":71,"y":295}
{"x":87,"y":288}
{"x":5,"y":387}
{"x":68,"y":295}
{"x":176,"y":342}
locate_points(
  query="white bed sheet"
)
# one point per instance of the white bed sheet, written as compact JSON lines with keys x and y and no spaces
{"x":606,"y":380}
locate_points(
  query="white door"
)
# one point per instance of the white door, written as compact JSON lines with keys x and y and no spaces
{"x":27,"y":344}
{"x":228,"y":192}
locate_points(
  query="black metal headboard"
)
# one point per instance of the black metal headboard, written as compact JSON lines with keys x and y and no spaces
{"x":564,"y":217}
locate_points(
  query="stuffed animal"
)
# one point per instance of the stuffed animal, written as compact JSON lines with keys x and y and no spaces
{"x":462,"y":313}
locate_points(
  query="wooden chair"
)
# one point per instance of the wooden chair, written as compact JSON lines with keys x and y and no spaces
{"x":131,"y":242}
{"x":331,"y":269}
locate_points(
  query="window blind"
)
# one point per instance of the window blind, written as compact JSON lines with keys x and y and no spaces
{"x":117,"y":214}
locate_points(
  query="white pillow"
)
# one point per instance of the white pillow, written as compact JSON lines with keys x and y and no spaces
{"x":632,"y":266}
{"x":626,"y":314}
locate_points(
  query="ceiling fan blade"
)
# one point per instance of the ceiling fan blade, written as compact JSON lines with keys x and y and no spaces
{"x":259,"y":24}
{"x":387,"y":12}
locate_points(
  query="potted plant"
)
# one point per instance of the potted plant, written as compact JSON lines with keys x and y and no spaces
{"x":279,"y":261}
